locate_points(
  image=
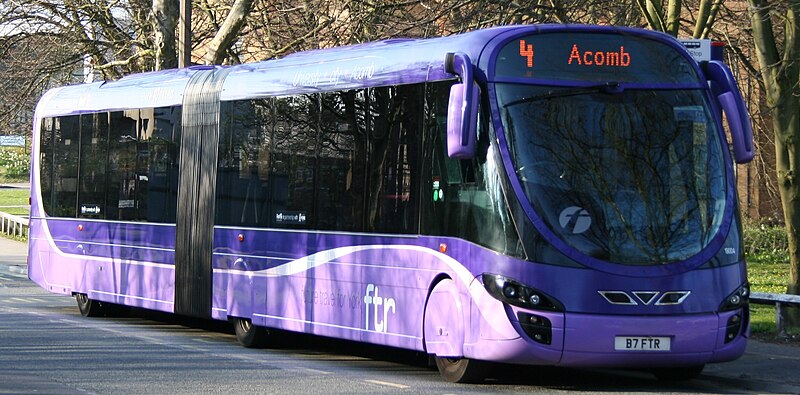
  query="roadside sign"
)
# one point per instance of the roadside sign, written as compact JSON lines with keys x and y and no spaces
{"x":699,"y":49}
{"x":13,"y":141}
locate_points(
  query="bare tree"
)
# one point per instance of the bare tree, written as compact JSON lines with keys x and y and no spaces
{"x":53,"y":42}
{"x":667,"y":18}
{"x":778,"y":51}
{"x":228,"y":32}
{"x":165,"y":21}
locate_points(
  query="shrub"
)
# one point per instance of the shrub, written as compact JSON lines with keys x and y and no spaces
{"x":765,"y":241}
{"x":17,"y":164}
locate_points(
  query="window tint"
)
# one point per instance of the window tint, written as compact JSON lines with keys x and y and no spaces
{"x":65,"y":169}
{"x":243,"y":173}
{"x":158,"y":164}
{"x":47,"y":151}
{"x":340,"y":191}
{"x":396,"y":116}
{"x":294,"y":161}
{"x":122,"y":179}
{"x":334,"y":161}
{"x":463,"y":198}
{"x":93,"y":160}
{"x":119,"y":165}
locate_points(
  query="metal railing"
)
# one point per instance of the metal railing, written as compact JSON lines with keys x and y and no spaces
{"x":14,"y":225}
{"x":780,"y":301}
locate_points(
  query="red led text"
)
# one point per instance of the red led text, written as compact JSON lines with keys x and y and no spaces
{"x":526,"y":51}
{"x":599,"y":58}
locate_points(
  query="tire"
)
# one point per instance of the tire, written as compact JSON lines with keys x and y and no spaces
{"x":678,"y":374}
{"x":462,"y":370}
{"x":89,"y":307}
{"x":249,"y":335}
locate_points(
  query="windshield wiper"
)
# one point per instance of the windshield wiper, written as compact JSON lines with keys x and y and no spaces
{"x":610,"y":88}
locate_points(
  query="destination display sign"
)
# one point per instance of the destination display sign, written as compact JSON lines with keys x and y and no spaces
{"x":593,"y":57}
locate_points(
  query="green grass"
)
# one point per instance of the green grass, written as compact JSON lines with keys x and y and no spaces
{"x":767,"y":275}
{"x":12,"y":198}
{"x":14,"y":201}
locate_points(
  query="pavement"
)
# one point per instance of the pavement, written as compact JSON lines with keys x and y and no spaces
{"x":13,"y":256}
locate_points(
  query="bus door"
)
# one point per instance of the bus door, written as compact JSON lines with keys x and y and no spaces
{"x":195,"y":218}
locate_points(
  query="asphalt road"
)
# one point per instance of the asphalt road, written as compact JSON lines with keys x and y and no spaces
{"x":46,"y":347}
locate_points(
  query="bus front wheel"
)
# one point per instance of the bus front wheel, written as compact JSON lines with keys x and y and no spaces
{"x":461,"y":370}
{"x":249,"y":335}
{"x":89,"y":307}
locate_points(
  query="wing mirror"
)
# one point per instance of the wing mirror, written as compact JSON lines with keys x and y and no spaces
{"x":730,"y":99}
{"x":462,"y":109}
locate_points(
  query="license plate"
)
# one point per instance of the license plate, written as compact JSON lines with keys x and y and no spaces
{"x":641,"y":343}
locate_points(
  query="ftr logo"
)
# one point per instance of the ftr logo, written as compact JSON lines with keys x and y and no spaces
{"x":380,"y":315}
{"x":575,"y":220}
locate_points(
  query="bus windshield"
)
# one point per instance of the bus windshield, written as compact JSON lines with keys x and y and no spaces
{"x":633,"y":177}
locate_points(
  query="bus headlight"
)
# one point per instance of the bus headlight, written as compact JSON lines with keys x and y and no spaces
{"x":735,"y":324}
{"x":514,"y":293}
{"x":737,"y":299}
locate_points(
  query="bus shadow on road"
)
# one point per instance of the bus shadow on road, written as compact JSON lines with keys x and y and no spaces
{"x":364,"y":356}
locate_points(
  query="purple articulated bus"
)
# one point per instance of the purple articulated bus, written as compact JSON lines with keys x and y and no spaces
{"x":542,"y":195}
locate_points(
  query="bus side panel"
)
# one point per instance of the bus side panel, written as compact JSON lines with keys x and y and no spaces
{"x":352,"y":287}
{"x":376,"y":295}
{"x":113,"y":262}
{"x":43,"y":263}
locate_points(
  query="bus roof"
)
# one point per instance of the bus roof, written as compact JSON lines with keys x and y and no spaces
{"x":388,"y":62}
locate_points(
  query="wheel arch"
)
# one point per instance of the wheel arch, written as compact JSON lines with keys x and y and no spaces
{"x":444,"y":318}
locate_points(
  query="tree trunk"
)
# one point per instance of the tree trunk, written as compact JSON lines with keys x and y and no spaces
{"x":702,"y":18}
{"x":165,"y":20}
{"x":780,"y":74}
{"x":673,"y":17}
{"x":651,"y":9}
{"x":787,"y":147}
{"x":228,"y":32}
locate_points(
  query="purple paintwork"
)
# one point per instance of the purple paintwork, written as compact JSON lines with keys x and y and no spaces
{"x":462,"y":111}
{"x":733,"y":105}
{"x":393,"y":290}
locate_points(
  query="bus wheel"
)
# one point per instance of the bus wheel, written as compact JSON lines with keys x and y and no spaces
{"x":678,"y":374}
{"x":461,"y":370}
{"x":89,"y":307}
{"x":249,"y":335}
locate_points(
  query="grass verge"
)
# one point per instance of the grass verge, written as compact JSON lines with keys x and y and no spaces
{"x":14,"y":201}
{"x":766,"y":275}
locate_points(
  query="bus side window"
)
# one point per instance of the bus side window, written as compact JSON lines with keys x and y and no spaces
{"x":243,"y":166}
{"x":46,"y":172}
{"x":396,"y":125}
{"x":465,"y":196}
{"x":341,"y":161}
{"x":93,"y":163}
{"x":65,"y":169}
{"x":101,"y":165}
{"x":293,"y":158}
{"x":158,"y":166}
{"x":123,"y":127}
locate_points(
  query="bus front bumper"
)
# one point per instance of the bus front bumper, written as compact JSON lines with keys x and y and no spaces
{"x":643,"y":342}
{"x":585,"y":340}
